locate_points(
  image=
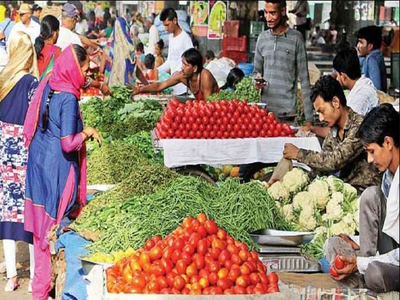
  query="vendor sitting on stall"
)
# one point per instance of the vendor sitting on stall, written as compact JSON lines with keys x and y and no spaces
{"x":342,"y":152}
{"x":378,"y":256}
{"x":199,"y":80}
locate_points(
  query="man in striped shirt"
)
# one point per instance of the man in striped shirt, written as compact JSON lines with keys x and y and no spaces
{"x":280,"y":57}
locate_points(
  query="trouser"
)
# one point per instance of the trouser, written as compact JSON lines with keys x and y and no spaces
{"x":10,"y":252}
{"x":41,"y":284}
{"x":379,"y":277}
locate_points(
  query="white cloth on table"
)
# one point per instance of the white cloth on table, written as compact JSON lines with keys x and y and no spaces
{"x":180,"y":152}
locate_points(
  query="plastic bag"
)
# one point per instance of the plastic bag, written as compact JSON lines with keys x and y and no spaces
{"x":220,"y":69}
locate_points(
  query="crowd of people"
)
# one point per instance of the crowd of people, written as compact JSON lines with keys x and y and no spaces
{"x":42,"y":136}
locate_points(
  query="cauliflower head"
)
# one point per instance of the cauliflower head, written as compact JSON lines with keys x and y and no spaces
{"x":342,"y":227}
{"x":349,"y":192}
{"x":335,"y":184}
{"x":279,"y":192}
{"x":287,"y":212}
{"x":303,"y":200}
{"x":338,"y":197}
{"x":333,"y":211}
{"x":319,"y":190}
{"x":295,"y":180}
{"x":307,"y":220}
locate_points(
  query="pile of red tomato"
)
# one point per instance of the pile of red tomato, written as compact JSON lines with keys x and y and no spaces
{"x":198,"y":258}
{"x":91,"y":91}
{"x":218,"y":120}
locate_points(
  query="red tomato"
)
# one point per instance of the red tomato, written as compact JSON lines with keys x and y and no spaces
{"x":339,"y":264}
{"x":224,"y":283}
{"x":204,"y":283}
{"x":232,"y":249}
{"x":181,"y":267}
{"x":223,"y":273}
{"x":211,"y":227}
{"x":204,"y":273}
{"x":238,"y":290}
{"x":236,"y":259}
{"x":176,"y":255}
{"x":149,"y":244}
{"x":215,"y":252}
{"x":333,"y":272}
{"x":179,"y":283}
{"x":156,"y":253}
{"x":167,"y":265}
{"x":233,"y":274}
{"x":213,"y":278}
{"x":138,"y":282}
{"x":186,"y":257}
{"x":191,"y":271}
{"x":179,"y":243}
{"x":214,"y":266}
{"x":271,"y":116}
{"x":202,"y":247}
{"x":273,"y":288}
{"x":199,"y":262}
{"x":245,"y":270}
{"x":162,"y":282}
{"x":224,"y":256}
{"x":272,"y":278}
{"x":241,"y":281}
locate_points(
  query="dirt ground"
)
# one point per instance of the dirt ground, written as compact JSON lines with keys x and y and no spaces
{"x":303,"y":280}
{"x":23,"y":274}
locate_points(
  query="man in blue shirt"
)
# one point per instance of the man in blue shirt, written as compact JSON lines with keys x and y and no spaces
{"x":371,"y":58}
{"x":7,"y":24}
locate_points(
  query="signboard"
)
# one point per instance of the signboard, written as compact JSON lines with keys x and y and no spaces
{"x":216,"y":19}
{"x":198,"y":13}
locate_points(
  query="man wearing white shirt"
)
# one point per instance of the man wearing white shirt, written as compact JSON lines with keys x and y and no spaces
{"x":363,"y":96}
{"x":67,"y":36}
{"x":154,"y":35}
{"x":179,"y":42}
{"x":378,"y":259}
{"x":26,"y":25}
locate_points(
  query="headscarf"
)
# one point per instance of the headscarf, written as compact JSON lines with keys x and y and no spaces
{"x":123,"y":65}
{"x":66,"y":76}
{"x":22,"y":61}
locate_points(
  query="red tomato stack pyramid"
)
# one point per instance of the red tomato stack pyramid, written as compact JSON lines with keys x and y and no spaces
{"x":218,"y":120}
{"x":198,"y":258}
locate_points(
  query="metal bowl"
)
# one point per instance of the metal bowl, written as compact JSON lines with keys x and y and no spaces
{"x":281,"y":238}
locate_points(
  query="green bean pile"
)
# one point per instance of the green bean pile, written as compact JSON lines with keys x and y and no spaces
{"x":237,"y":208}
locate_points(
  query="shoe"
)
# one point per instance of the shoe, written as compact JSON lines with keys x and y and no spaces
{"x":11,"y":286}
{"x":30,"y":286}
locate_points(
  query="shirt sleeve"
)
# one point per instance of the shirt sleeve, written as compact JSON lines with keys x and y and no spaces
{"x":258,"y":58}
{"x":332,"y":159}
{"x":374,"y":73}
{"x":302,"y":67}
{"x":69,"y":117}
{"x":391,"y":258}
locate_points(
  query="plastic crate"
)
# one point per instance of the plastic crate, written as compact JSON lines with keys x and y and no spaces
{"x":231,"y":28}
{"x":256,"y":28}
{"x":234,"y":44}
{"x":236,"y":56}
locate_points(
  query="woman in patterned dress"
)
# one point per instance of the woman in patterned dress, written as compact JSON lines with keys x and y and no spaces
{"x":18,"y":83}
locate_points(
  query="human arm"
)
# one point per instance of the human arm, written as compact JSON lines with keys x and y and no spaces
{"x":159,"y":86}
{"x":318,"y":130}
{"x":332,"y":157}
{"x":302,"y":69}
{"x":207,"y":84}
{"x":141,"y":76}
{"x":71,"y":139}
{"x":88,"y":42}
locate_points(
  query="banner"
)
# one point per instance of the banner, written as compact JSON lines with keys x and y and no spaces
{"x":216,"y":19}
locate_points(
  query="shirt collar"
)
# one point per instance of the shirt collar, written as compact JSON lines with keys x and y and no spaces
{"x":349,"y":122}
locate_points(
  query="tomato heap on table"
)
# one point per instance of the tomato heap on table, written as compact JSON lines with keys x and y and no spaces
{"x":197,"y":258}
{"x":218,"y":120}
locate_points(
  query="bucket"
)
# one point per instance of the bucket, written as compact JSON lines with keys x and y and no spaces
{"x":246,"y":68}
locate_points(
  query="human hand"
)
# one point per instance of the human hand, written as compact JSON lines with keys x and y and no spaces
{"x":350,"y":267}
{"x":105,"y":89}
{"x":259,"y":85}
{"x":92,"y":133}
{"x":290,"y":151}
{"x":349,"y":241}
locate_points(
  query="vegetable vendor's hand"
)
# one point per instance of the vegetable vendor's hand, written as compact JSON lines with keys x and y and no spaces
{"x":349,"y":268}
{"x":307,"y":127}
{"x":136,"y":90}
{"x":92,"y":133}
{"x":290,"y":151}
{"x":105,"y":89}
{"x":259,"y":85}
{"x":349,"y":241}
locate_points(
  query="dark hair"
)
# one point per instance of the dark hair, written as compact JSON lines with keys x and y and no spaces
{"x":111,"y":21}
{"x":193,"y":57}
{"x":327,"y":87}
{"x":234,"y":77}
{"x":160,"y":44}
{"x":149,"y":61}
{"x":169,"y":14}
{"x":210,"y":54}
{"x":195,"y":43}
{"x":281,"y":4}
{"x":373,"y":35}
{"x":140,"y":47}
{"x":346,"y":61}
{"x":82,"y":56}
{"x":380,"y":122}
{"x":49,"y":25}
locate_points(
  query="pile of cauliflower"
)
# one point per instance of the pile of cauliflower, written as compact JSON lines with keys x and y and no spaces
{"x":327,"y":206}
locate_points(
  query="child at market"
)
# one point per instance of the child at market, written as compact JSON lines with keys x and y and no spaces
{"x":151,"y":71}
{"x":158,"y":49}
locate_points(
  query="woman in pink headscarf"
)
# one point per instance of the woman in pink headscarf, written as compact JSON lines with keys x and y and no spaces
{"x":56,"y":173}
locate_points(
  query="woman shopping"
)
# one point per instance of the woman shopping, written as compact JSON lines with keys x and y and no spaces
{"x":18,"y":82}
{"x":56,"y":174}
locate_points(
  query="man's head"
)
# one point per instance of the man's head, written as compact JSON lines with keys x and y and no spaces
{"x":25,"y":13}
{"x":139,"y":48}
{"x":36,"y":9}
{"x":329,"y":100}
{"x":149,"y":21}
{"x":275,"y":13}
{"x":169,"y":18}
{"x":70,"y":16}
{"x":209,"y":55}
{"x":192,"y":62}
{"x":347,"y":67}
{"x":379,"y":132}
{"x":369,"y":39}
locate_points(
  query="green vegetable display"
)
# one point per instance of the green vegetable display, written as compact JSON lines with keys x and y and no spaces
{"x":238,"y":208}
{"x":245,"y":90}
